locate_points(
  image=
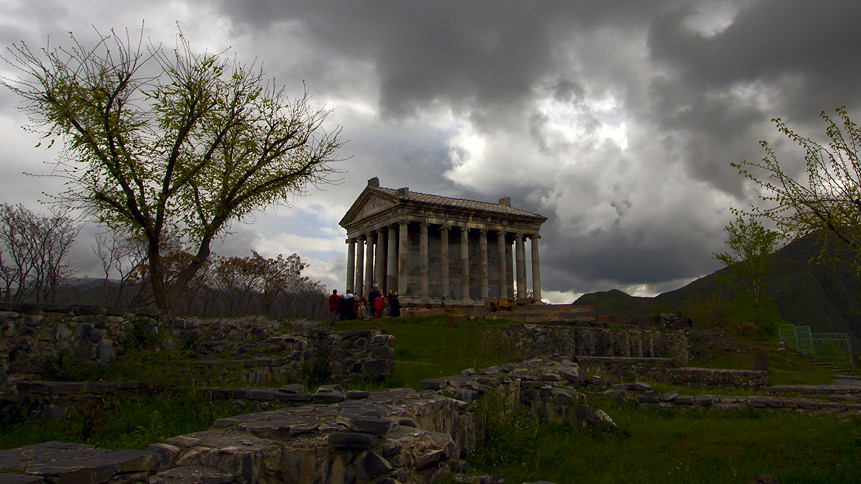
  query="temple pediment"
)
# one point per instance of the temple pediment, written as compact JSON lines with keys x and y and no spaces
{"x":370,"y":202}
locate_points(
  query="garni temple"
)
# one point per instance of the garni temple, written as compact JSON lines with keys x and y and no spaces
{"x":433,"y":250}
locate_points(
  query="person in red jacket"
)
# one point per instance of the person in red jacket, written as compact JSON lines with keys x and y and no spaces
{"x":379,"y":305}
{"x":334,"y":299}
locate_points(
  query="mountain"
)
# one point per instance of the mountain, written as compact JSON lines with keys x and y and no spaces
{"x":825,"y":297}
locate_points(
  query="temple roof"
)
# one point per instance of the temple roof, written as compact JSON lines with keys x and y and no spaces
{"x":427,"y":198}
{"x":375,"y":199}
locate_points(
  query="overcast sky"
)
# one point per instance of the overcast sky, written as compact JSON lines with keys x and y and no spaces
{"x":616,"y":120}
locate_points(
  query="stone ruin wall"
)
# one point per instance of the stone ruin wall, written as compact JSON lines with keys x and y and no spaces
{"x":257,"y":350}
{"x":533,"y":340}
{"x":397,"y":435}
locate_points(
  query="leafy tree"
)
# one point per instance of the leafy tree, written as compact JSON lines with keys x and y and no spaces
{"x":751,"y":247}
{"x":168,"y":140}
{"x":828,"y":199}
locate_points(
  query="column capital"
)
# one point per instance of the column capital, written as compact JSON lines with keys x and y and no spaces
{"x":518,"y":235}
{"x":445,"y":227}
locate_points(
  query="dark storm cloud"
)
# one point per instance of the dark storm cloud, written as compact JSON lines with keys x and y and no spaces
{"x":486,"y":99}
{"x":792,"y":58}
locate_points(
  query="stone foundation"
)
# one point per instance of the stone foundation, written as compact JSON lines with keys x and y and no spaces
{"x":530,"y":340}
{"x":260,"y":350}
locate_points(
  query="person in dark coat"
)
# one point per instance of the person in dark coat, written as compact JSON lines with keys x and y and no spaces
{"x":394,"y":305}
{"x":345,"y":306}
{"x":372,"y":299}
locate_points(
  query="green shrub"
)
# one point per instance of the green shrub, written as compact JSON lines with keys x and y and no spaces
{"x":67,"y":366}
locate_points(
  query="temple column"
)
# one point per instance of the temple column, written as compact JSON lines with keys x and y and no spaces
{"x":423,"y":260}
{"x":509,"y":270}
{"x":369,"y":263}
{"x":391,"y":261}
{"x":464,"y":263}
{"x":351,"y":263}
{"x":503,"y":270}
{"x":536,"y":269}
{"x":403,"y":258}
{"x":520,"y":264}
{"x":359,"y":287}
{"x":380,"y":261}
{"x":443,"y":256}
{"x":482,"y":260}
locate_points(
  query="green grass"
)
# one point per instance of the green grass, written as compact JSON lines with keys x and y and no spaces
{"x":683,"y":446}
{"x":126,"y":424}
{"x":436,"y":346}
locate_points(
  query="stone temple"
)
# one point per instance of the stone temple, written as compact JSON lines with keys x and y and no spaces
{"x":439,"y":250}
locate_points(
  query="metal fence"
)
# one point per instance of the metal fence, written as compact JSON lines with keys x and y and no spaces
{"x":832,"y":348}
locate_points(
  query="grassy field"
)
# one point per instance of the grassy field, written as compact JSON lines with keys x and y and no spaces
{"x":130,"y":424}
{"x":683,"y":446}
{"x":436,"y":346}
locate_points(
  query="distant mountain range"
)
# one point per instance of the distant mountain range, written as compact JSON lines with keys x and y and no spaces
{"x":826,"y":298}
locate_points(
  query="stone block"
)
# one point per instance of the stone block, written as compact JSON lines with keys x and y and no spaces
{"x":166,"y":453}
{"x":352,"y":440}
{"x":430,"y":459}
{"x":372,"y":466}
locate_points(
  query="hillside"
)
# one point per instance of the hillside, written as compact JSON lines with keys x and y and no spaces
{"x":823,"y":297}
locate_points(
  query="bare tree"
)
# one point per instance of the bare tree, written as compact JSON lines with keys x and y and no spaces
{"x":35,"y":251}
{"x":122,"y":254}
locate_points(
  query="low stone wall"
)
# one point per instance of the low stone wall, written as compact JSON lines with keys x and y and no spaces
{"x":625,"y":369}
{"x":661,"y":370}
{"x":265,"y":350}
{"x":711,"y":378}
{"x":530,"y":340}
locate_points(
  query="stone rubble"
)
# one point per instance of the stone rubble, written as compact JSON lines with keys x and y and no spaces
{"x":392,"y":436}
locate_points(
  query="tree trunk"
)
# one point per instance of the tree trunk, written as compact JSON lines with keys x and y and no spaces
{"x":191,"y":269}
{"x":155,"y":275}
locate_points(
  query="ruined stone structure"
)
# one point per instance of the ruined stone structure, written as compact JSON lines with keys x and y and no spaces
{"x":434,"y":249}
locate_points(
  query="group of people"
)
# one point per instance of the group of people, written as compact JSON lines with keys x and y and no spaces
{"x":348,"y":306}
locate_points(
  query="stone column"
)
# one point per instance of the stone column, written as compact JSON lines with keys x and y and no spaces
{"x":391,"y":261}
{"x":360,"y":266}
{"x":351,"y":263}
{"x":520,"y":264}
{"x":502,"y":267}
{"x":536,"y":269}
{"x":369,"y":263}
{"x":464,"y":263}
{"x":380,"y":261}
{"x":509,"y":270}
{"x":403,"y":258}
{"x":423,"y":260}
{"x":482,"y":260}
{"x":443,"y":262}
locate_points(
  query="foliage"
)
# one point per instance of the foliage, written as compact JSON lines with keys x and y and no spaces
{"x":677,"y":446}
{"x":34,"y":252}
{"x":708,"y":311}
{"x":751,"y":248}
{"x":67,"y":366}
{"x":316,"y":373}
{"x":827,"y":199}
{"x":168,"y":140}
{"x":133,"y":423}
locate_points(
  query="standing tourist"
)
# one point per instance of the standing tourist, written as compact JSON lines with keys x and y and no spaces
{"x":334,"y":299}
{"x":394,"y":305}
{"x":372,"y":299}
